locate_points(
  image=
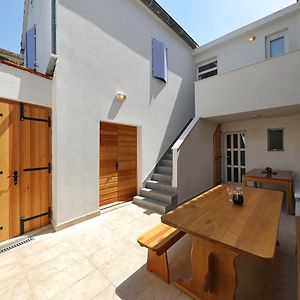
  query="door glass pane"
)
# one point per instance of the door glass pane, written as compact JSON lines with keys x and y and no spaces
{"x":229,"y":158}
{"x":236,"y":158}
{"x":277,"y":47}
{"x":235,"y":140}
{"x":236,"y":174}
{"x":242,"y":140}
{"x":229,"y":174}
{"x":242,"y":158}
{"x":228,"y":138}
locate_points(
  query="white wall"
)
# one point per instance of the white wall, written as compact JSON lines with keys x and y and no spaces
{"x":105,"y":47}
{"x":237,"y":51}
{"x":39,"y":14}
{"x":195,"y":161}
{"x":257,"y":155}
{"x":16,"y":84}
{"x":270,"y":84}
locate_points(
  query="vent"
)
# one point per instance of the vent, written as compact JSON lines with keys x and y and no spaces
{"x":15,"y":245}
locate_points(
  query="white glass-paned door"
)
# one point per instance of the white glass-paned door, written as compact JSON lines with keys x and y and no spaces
{"x":235,"y":158}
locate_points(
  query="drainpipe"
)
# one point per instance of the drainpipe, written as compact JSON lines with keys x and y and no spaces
{"x":53,"y":25}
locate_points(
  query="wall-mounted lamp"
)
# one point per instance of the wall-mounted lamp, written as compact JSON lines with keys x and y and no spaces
{"x":252,"y":38}
{"x":121,"y":97}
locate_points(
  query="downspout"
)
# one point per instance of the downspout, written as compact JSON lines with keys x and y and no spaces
{"x":53,"y":25}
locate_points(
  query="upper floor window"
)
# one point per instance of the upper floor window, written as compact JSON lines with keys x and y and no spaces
{"x":207,"y":69}
{"x":276,"y":44}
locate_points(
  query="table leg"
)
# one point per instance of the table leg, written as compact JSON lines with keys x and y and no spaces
{"x":255,"y":184}
{"x":213,"y":272}
{"x":244,"y":180}
{"x":288,"y":197}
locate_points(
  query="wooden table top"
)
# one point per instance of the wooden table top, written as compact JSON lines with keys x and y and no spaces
{"x":277,"y":175}
{"x":251,"y":229}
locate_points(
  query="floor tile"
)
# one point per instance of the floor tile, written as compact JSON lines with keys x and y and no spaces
{"x":85,"y":289}
{"x":100,"y":259}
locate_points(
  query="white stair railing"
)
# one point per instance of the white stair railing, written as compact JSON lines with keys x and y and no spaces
{"x":176,"y":149}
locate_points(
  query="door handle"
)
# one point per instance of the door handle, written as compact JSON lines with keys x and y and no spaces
{"x":117,"y":165}
{"x":15,"y":177}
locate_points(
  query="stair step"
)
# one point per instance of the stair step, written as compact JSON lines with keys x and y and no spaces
{"x":153,"y":204}
{"x":164,"y":170}
{"x":168,"y":156}
{"x":163,"y":196}
{"x":162,"y":178}
{"x":153,"y":184}
{"x":166,"y":163}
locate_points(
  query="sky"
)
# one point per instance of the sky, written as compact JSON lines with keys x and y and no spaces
{"x":204,"y":20}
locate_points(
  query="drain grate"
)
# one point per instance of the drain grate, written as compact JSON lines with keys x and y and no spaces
{"x":15,"y":245}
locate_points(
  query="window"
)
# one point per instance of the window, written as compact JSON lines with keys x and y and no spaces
{"x":275,"y":139}
{"x":159,"y":60}
{"x":208,"y":69}
{"x":276,"y":44}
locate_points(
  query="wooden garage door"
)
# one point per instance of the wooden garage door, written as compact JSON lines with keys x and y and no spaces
{"x":25,"y":178}
{"x":118,"y":163}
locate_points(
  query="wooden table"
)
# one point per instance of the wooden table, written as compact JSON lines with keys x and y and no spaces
{"x":281,"y":178}
{"x":221,"y":232}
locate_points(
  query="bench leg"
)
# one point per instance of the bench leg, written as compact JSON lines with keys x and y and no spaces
{"x":158,"y":265}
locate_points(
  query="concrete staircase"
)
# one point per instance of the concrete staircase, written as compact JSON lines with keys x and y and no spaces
{"x":158,"y":193}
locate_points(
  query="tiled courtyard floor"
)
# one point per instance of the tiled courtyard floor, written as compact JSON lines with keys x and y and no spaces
{"x":100,"y":259}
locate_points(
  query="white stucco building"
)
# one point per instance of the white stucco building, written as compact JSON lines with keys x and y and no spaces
{"x":100,"y":56}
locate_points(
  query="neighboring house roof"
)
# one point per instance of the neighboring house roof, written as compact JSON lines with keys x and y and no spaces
{"x":251,"y":28}
{"x":23,"y":68}
{"x":163,"y":15}
{"x":11,"y":56}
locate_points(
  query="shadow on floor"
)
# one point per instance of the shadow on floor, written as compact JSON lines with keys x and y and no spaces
{"x":275,"y":280}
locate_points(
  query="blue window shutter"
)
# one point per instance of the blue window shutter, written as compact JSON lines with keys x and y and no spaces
{"x":31,"y":48}
{"x":159,"y":60}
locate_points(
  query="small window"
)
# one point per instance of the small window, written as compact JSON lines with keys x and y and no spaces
{"x":276,"y":44}
{"x":207,"y":70}
{"x":159,"y":60}
{"x":275,"y":139}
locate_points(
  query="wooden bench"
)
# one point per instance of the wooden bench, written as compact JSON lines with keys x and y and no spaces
{"x":158,"y":240}
{"x":298,"y":253}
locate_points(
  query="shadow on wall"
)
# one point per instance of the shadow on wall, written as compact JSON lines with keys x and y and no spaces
{"x":114,"y":109}
{"x":128,"y":32}
{"x":156,"y":86}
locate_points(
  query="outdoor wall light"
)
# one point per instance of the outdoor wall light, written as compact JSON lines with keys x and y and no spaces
{"x":121,"y":97}
{"x":252,"y":38}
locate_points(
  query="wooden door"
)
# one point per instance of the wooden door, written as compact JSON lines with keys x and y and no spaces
{"x":217,"y":141}
{"x":25,"y":178}
{"x":118,"y":163}
{"x":108,"y":160}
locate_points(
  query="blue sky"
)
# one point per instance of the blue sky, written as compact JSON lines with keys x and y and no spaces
{"x":11,"y":19}
{"x":204,"y":20}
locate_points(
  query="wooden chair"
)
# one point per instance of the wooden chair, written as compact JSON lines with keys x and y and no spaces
{"x":158,"y":240}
